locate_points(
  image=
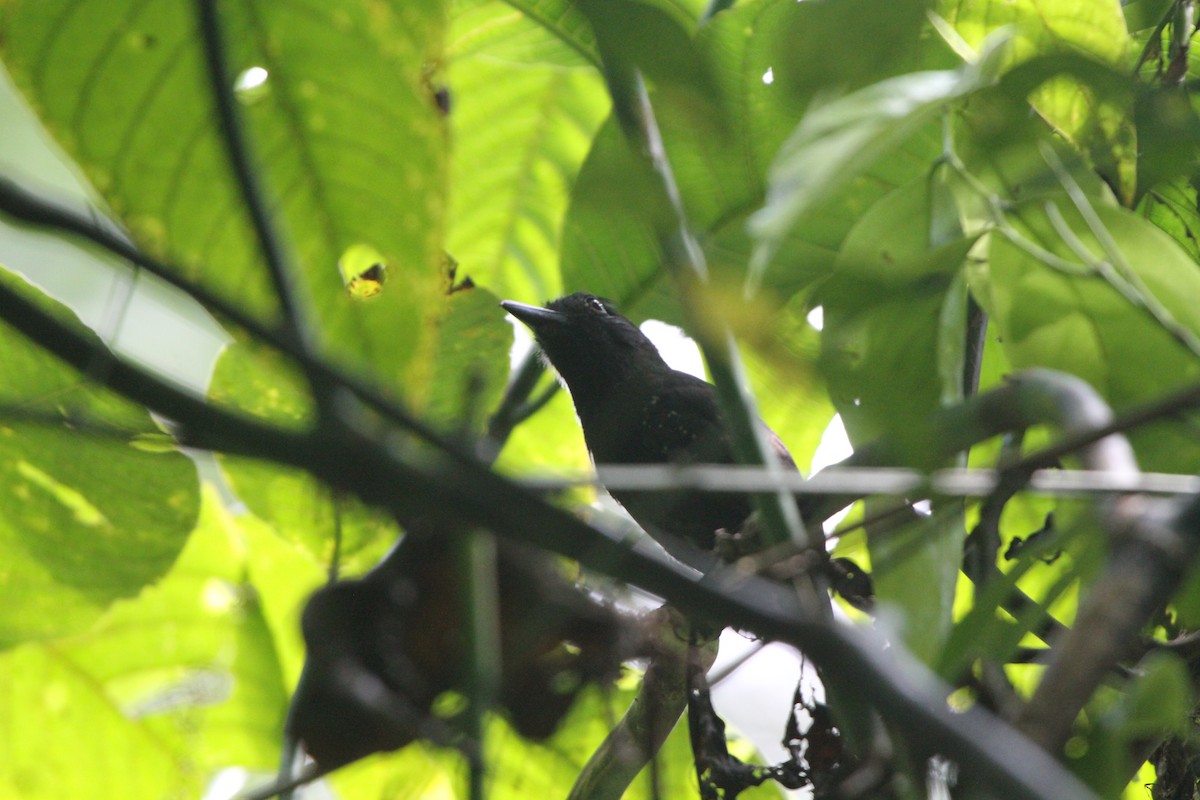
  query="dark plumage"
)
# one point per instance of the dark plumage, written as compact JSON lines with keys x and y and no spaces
{"x":635,"y":409}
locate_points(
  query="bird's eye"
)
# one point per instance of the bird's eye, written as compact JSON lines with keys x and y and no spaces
{"x":597,"y":305}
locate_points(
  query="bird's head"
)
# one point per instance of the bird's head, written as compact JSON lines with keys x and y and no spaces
{"x":590,"y":344}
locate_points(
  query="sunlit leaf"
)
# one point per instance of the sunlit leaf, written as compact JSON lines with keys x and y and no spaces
{"x":163,"y":692}
{"x":1076,"y":321}
{"x":1093,"y":28}
{"x":346,"y":137}
{"x":82,"y":491}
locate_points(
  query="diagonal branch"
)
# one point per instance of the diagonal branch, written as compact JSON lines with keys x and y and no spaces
{"x":28,"y":207}
{"x":363,"y":459}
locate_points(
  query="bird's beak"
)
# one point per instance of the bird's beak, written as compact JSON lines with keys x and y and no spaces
{"x":535,"y":317}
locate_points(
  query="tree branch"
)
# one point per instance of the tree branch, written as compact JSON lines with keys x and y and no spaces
{"x":365,"y":458}
{"x":1153,"y":549}
{"x":640,"y":734}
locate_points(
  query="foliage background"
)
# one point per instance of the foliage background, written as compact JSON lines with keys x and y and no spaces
{"x":868,"y":158}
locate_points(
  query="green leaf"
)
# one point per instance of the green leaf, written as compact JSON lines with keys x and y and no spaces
{"x":90,"y":514}
{"x":1073,"y":320}
{"x":799,"y":41}
{"x":513,"y":172}
{"x":257,"y":380}
{"x":346,"y":138}
{"x":1158,"y":703}
{"x":1174,"y":208}
{"x":523,"y":769}
{"x":164,"y":691}
{"x":461,"y":378}
{"x":468,"y":365}
{"x":1082,"y":111}
{"x":521,"y":34}
{"x":610,"y":242}
{"x":1160,"y":699}
{"x":72,"y":738}
{"x":839,"y":140}
{"x":892,"y":241}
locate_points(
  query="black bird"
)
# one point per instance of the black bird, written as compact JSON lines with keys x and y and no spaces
{"x":635,"y":409}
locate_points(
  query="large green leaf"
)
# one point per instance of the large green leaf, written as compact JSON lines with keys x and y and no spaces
{"x":895,"y":298}
{"x":460,"y":378}
{"x":345,"y":135}
{"x":512,"y":172}
{"x":98,"y":503}
{"x":840,"y":140}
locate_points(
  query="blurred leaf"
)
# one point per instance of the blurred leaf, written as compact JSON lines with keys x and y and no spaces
{"x":1168,"y":142}
{"x":1081,"y":110}
{"x":88,"y":516}
{"x":72,"y":738}
{"x":547,"y":33}
{"x":1080,"y":324}
{"x":915,"y":575}
{"x":718,"y":154}
{"x":1186,"y":603}
{"x":523,"y":769}
{"x":891,"y":242}
{"x":255,"y":379}
{"x":897,"y":298}
{"x":462,"y":376}
{"x":839,"y":140}
{"x":808,"y":61}
{"x":258,"y":380}
{"x":468,"y":365}
{"x":1143,"y":14}
{"x":1158,"y":703}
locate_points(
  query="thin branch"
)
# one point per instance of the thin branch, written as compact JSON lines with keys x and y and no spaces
{"x":28,"y":207}
{"x":282,"y":272}
{"x":1074,"y":441}
{"x":864,"y":481}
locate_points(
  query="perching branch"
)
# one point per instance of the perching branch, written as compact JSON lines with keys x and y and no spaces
{"x":362,"y":459}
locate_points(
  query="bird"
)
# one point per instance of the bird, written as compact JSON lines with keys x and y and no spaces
{"x":635,"y":409}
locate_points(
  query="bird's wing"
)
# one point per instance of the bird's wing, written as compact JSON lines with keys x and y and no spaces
{"x":694,"y":417}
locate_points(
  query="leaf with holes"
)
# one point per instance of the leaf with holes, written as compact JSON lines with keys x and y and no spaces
{"x":344,"y":131}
